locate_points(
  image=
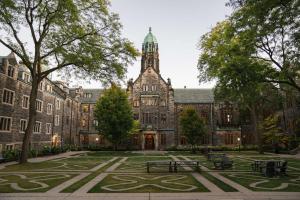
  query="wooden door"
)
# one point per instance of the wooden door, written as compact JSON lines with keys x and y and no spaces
{"x":149,"y":142}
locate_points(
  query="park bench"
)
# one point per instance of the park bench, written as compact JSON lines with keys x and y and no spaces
{"x":213,"y":156}
{"x":2,"y":159}
{"x":223,"y":163}
{"x":281,"y":170}
{"x":268,"y":169}
{"x":159,"y":163}
{"x":187,"y":163}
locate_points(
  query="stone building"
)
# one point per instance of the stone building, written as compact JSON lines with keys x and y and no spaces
{"x":66,"y":115}
{"x":57,"y":110}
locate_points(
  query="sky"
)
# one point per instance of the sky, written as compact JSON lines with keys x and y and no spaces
{"x":178,"y":26}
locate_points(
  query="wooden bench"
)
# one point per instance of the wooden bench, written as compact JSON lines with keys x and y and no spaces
{"x":212,"y":156}
{"x":159,"y":163}
{"x":187,"y":163}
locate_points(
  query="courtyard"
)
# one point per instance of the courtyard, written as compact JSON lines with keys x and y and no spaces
{"x":94,"y":175}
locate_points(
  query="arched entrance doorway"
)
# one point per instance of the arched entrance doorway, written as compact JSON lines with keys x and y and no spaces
{"x":149,"y":142}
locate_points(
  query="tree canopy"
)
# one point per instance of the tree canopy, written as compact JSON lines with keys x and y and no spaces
{"x":264,"y":32}
{"x":83,"y":36}
{"x":114,"y":115}
{"x":80,"y":37}
{"x":192,"y":127}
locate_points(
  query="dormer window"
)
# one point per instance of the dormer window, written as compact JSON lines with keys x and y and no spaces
{"x":49,"y":88}
{"x":41,"y":85}
{"x":10,"y":71}
{"x":26,"y":77}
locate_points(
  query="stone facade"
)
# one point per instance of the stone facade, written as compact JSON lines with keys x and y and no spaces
{"x":57,"y":111}
{"x":152,"y":99}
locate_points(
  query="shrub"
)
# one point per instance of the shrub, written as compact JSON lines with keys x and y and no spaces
{"x":56,"y":150}
{"x":46,"y":150}
{"x":11,"y":155}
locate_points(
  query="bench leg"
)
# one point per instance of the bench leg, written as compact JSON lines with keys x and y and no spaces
{"x":170,"y":168}
{"x":147,"y":168}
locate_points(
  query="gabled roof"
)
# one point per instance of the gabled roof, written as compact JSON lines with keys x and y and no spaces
{"x":95,"y":95}
{"x":193,"y":95}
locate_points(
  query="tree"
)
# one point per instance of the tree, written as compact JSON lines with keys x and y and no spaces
{"x":192,"y":127}
{"x":114,"y":115}
{"x":80,"y":37}
{"x":273,"y":134}
{"x":226,"y":57}
{"x":272,"y":31}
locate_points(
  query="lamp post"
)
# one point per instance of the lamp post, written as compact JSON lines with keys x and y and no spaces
{"x":97,"y":139}
{"x":239,"y":141}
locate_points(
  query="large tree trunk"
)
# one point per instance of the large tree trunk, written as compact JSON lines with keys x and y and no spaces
{"x":31,"y":121}
{"x":256,"y":129}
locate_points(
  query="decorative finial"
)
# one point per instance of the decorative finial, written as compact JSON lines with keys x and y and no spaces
{"x":150,"y":29}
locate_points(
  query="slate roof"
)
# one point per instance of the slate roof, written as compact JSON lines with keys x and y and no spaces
{"x":95,"y":95}
{"x":180,"y":95}
{"x":193,"y":95}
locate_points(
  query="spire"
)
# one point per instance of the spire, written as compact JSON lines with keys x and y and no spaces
{"x":150,"y":56}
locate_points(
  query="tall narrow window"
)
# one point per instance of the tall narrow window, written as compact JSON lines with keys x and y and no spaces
{"x":5,"y":124}
{"x":10,"y":71}
{"x":39,"y":105}
{"x":95,"y":122}
{"x":8,"y":96}
{"x":37,"y":127}
{"x":25,"y":102}
{"x":56,"y":120}
{"x":57,"y":104}
{"x":23,"y":125}
{"x":41,"y":86}
{"x":26,"y":77}
{"x":48,"y":128}
{"x":48,"y":88}
{"x":49,"y":109}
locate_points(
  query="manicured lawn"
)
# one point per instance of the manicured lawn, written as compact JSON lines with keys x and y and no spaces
{"x":141,"y":183}
{"x":37,"y":182}
{"x":72,"y":188}
{"x":138,"y":164}
{"x":111,"y":153}
{"x":66,"y":164}
{"x":132,"y":176}
{"x":257,"y":182}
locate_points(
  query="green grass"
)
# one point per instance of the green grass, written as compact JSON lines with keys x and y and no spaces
{"x":143,"y":183}
{"x":266,"y":184}
{"x":138,"y":164}
{"x":225,"y":187}
{"x":27,"y":183}
{"x":72,"y":188}
{"x":69,"y":164}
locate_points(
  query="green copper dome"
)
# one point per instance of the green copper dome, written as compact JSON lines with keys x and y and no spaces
{"x":150,"y":38}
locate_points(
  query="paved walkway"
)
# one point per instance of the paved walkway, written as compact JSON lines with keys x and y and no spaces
{"x":225,"y":180}
{"x":154,"y":196}
{"x":116,"y":165}
{"x":209,"y":185}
